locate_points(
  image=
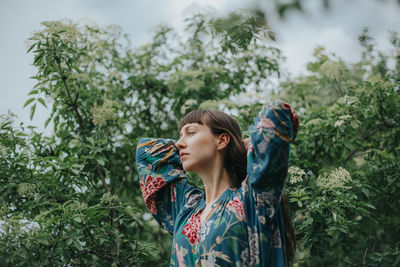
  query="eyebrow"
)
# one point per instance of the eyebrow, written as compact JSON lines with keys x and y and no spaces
{"x":185,"y":129}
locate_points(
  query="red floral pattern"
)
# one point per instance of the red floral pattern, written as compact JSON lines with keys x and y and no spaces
{"x":149,"y":188}
{"x":192,"y":228}
{"x":294,"y":117}
{"x":236,"y":206}
{"x":173,"y":193}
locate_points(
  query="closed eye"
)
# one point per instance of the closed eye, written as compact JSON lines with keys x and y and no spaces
{"x":191,"y":133}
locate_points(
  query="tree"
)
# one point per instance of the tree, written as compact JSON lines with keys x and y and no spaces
{"x":344,"y":183}
{"x":74,"y":197}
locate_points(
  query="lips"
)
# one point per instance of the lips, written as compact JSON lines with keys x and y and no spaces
{"x":182,"y":154}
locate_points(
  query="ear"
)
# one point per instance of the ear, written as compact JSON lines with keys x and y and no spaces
{"x":223,"y":141}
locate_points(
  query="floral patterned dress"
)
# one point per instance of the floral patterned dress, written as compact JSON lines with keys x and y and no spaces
{"x":245,"y":226}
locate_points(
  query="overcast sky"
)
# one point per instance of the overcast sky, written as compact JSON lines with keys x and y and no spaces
{"x":298,"y":35}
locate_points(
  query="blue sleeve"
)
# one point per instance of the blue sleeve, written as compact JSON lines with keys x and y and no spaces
{"x":268,"y":153}
{"x":162,"y":179}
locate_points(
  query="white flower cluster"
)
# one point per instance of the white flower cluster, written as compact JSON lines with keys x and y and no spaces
{"x":345,"y":117}
{"x":109,"y":198}
{"x":64,"y":30}
{"x":223,"y":105}
{"x":296,"y":174}
{"x":82,"y":77}
{"x":3,"y":211}
{"x":77,"y":206}
{"x":334,"y":180}
{"x":314,"y":122}
{"x":187,"y":105}
{"x":27,"y":190}
{"x":101,"y":114}
{"x":338,"y":123}
{"x":191,"y":80}
{"x":347,"y":100}
{"x":341,"y":120}
{"x":193,"y":85}
{"x":3,"y":151}
{"x":331,"y":68}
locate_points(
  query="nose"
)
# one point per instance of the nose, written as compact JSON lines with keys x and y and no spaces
{"x":179,"y":144}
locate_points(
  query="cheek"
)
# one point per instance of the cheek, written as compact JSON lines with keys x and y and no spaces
{"x":201,"y":140}
{"x":204,"y":147}
{"x":202,"y":150}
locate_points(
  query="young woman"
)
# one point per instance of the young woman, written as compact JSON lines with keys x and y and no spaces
{"x":238,"y":220}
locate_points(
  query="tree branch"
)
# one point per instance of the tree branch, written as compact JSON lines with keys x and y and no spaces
{"x":364,"y":139}
{"x":103,"y":180}
{"x":60,"y":229}
{"x":381,"y":111}
{"x":64,"y":80}
{"x":339,"y":87}
{"x":96,"y":249}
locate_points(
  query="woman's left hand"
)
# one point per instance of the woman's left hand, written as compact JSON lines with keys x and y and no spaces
{"x":246,"y":142}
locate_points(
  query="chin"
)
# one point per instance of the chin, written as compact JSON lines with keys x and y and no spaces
{"x":187,"y":167}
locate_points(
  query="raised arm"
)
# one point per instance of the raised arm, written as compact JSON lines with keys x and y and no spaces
{"x":268,"y":153}
{"x":162,"y":179}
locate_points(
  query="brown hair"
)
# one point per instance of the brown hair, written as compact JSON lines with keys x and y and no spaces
{"x":236,"y":159}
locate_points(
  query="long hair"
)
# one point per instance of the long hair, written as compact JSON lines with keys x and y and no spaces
{"x":235,"y":160}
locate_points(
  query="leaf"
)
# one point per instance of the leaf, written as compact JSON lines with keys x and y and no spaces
{"x":42,"y":102}
{"x":38,"y":58}
{"x":33,"y":92}
{"x":369,"y":206}
{"x":74,"y":171}
{"x":33,"y":108}
{"x":78,"y":246}
{"x":101,"y":161}
{"x":334,"y":216}
{"x":91,"y":140}
{"x":46,"y":71}
{"x":30,"y":100}
{"x":30,"y":48}
{"x":233,"y":245}
{"x":44,"y":241}
{"x":47,"y":122}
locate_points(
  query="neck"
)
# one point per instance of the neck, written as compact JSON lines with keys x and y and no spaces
{"x":215,"y":180}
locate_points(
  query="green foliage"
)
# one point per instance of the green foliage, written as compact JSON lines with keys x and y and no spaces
{"x":285,"y":8}
{"x":74,"y":198}
{"x":52,"y":211}
{"x":344,"y":189}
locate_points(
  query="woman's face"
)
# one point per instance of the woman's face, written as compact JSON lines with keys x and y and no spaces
{"x":197,"y":147}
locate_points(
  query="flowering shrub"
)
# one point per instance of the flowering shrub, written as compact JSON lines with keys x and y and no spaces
{"x":74,"y":198}
{"x":335,"y":180}
{"x":342,"y":187}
